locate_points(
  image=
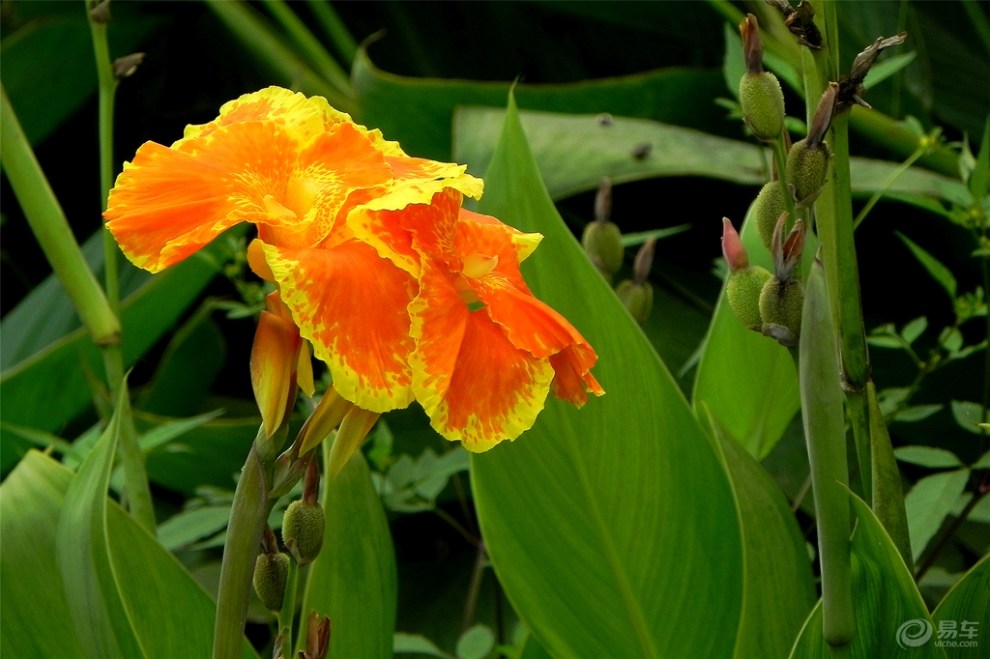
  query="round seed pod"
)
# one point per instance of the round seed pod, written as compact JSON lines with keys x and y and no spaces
{"x":602,"y":241}
{"x":743,"y":291}
{"x":302,"y":530}
{"x":762,"y":103}
{"x":271,"y":571}
{"x":780,"y":308}
{"x":637,"y":298}
{"x":806,"y":167}
{"x":767,"y":208}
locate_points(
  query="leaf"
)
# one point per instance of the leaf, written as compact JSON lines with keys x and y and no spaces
{"x":967,"y":601}
{"x":353,"y":580}
{"x":886,"y":68}
{"x":928,"y":456}
{"x":929,"y":502}
{"x":778,"y":591}
{"x":586,"y":516}
{"x":476,"y":643}
{"x":914,"y":413}
{"x":885,"y":601}
{"x":675,"y":95}
{"x":404,"y":643}
{"x":967,"y":414}
{"x":83,"y":552}
{"x":914,"y":329}
{"x":935,"y":268}
{"x":188,"y":526}
{"x":170,"y":611}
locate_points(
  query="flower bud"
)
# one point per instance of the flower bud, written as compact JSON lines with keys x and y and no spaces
{"x":781,"y":302}
{"x":602,"y":239}
{"x":637,"y":297}
{"x":806,"y":167}
{"x":762,"y":103}
{"x":767,"y":209}
{"x":271,"y":571}
{"x":302,"y":530}
{"x":743,"y":290}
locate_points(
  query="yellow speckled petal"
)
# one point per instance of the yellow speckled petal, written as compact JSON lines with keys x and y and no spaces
{"x":351,"y":305}
{"x":473,"y":383}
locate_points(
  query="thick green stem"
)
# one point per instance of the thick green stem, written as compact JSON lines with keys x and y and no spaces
{"x":248,"y":517}
{"x":824,"y":429}
{"x":51,"y":229}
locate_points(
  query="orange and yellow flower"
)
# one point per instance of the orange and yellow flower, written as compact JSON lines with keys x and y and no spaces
{"x":405,"y":295}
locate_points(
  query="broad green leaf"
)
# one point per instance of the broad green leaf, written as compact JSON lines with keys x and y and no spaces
{"x":598,"y":520}
{"x":171,"y":612}
{"x":917,"y":412}
{"x":914,"y":329}
{"x":928,"y":456}
{"x":887,"y":606}
{"x":353,"y":580}
{"x":82,"y":546}
{"x":929,"y":502}
{"x":677,"y":95}
{"x":966,"y":602}
{"x":778,"y":589}
{"x":188,"y":526}
{"x":746,"y":380}
{"x":941,"y":274}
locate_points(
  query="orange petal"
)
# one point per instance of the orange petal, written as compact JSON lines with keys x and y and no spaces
{"x":473,"y":383}
{"x":351,"y":305}
{"x":273,"y":361}
{"x":572,"y":379}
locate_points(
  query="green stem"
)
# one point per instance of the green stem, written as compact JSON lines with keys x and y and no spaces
{"x":288,"y":610}
{"x":136,"y":488}
{"x":248,"y":517}
{"x":107,"y":87}
{"x":51,"y":229}
{"x":824,"y":429}
{"x":887,"y":493}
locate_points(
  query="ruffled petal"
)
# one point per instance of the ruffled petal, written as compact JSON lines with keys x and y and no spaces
{"x":473,"y":383}
{"x":351,"y":306}
{"x":572,"y":380}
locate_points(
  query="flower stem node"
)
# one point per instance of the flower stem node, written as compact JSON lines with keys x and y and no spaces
{"x":767,"y":209}
{"x":271,"y":572}
{"x":637,"y":297}
{"x":781,"y":302}
{"x":762,"y":103}
{"x":302,"y":530}
{"x":743,"y":292}
{"x":807,"y":165}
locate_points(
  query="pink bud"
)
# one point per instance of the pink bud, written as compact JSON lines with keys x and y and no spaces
{"x":732,"y":247}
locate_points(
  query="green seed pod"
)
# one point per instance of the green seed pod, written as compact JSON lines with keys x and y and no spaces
{"x":302,"y":530}
{"x":806,"y":167}
{"x":762,"y":103}
{"x":743,"y":291}
{"x":781,"y":302}
{"x":602,"y":241}
{"x":637,"y":298}
{"x":767,"y":209}
{"x":271,"y":571}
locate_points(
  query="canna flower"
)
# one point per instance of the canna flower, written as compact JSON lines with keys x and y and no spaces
{"x":401,"y":292}
{"x":487,"y":351}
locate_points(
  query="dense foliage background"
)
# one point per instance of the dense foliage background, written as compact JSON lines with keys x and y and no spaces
{"x":416,"y":64}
